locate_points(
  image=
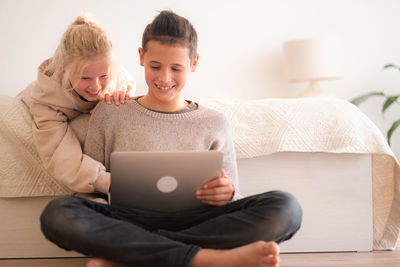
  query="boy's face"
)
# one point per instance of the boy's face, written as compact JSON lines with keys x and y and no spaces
{"x":166,"y":70}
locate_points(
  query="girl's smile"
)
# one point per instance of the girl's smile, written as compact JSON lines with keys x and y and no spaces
{"x":93,"y":79}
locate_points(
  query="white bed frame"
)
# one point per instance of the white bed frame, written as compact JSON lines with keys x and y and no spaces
{"x":335,"y":191}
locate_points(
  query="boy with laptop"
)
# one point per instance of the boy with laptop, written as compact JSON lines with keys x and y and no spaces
{"x":227,"y":231}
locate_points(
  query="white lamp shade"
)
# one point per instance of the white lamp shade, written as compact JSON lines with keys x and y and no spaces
{"x":312,"y":60}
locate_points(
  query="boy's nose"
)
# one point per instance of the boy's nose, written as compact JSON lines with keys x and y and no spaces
{"x":165,"y":76}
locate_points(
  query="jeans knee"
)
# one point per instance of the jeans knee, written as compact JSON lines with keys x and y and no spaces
{"x":292,"y":210}
{"x":287,"y":209}
{"x":57,"y":215}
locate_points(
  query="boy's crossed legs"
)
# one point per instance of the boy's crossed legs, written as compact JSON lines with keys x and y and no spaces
{"x":259,"y":253}
{"x":228,"y":233}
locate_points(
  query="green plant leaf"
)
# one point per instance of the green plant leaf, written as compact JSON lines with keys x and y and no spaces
{"x":389,"y":101}
{"x":358,"y":100}
{"x":387,"y":66}
{"x":392,"y":129}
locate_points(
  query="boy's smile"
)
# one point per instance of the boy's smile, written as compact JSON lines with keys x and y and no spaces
{"x":166,"y":70}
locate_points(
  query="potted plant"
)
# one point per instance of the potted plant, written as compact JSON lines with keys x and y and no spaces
{"x":389,"y":101}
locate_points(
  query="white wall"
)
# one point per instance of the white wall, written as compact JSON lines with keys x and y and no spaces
{"x":240,"y":43}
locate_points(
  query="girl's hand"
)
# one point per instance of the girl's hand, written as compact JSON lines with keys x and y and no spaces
{"x":122,"y":87}
{"x":216,"y":192}
{"x":119,"y":97}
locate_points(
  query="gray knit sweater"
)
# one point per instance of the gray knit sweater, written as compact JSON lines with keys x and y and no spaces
{"x":132,"y":127}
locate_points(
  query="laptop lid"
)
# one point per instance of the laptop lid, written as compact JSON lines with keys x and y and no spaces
{"x":161,"y":181}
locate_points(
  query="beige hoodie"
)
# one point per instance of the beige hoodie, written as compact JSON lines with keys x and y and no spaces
{"x":52,"y":107}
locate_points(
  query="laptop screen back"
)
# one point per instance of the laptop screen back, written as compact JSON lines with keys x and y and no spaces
{"x":161,"y":181}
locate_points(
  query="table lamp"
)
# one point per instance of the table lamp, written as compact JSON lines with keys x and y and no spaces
{"x":312,"y":60}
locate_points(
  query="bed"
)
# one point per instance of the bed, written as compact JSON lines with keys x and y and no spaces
{"x":323,"y":150}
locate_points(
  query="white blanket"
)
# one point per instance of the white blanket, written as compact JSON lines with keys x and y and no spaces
{"x":259,"y":127}
{"x":324,"y":124}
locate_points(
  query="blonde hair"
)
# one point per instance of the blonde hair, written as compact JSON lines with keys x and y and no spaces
{"x":82,"y":41}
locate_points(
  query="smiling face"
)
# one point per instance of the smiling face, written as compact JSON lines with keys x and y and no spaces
{"x":166,"y":70}
{"x":93,"y":80}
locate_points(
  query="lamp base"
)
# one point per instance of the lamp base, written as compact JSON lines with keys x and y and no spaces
{"x":312,"y":90}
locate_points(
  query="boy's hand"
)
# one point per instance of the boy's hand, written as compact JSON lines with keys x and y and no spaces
{"x":216,"y":192}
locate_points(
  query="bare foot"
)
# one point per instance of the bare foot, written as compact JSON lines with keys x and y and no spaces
{"x":257,"y":254}
{"x":97,"y":262}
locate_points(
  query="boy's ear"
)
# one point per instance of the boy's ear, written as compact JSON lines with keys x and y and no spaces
{"x":62,"y":69}
{"x":194,"y":63}
{"x":141,"y":56}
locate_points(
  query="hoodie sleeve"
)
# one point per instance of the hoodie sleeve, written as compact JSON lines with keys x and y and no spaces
{"x":61,"y":152}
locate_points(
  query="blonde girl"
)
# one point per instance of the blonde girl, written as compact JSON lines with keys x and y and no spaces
{"x":80,"y":74}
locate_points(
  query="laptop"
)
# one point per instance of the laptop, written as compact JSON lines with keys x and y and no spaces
{"x":161,"y":181}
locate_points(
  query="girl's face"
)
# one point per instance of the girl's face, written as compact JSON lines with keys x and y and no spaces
{"x":166,"y":70}
{"x":93,"y":80}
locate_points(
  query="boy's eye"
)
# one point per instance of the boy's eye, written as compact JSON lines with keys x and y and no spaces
{"x":176,"y":69}
{"x":155,"y":67}
{"x":104,"y":76}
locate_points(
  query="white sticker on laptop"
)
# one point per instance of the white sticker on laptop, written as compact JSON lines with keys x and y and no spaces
{"x":167,"y":184}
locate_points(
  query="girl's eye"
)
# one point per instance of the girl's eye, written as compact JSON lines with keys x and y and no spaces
{"x":175,"y":69}
{"x":155,"y":67}
{"x":85,"y":78}
{"x":104,"y":76}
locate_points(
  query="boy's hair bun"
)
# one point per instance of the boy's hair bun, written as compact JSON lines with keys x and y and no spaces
{"x":170,"y":28}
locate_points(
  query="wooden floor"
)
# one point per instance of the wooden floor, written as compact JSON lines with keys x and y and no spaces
{"x":364,"y":259}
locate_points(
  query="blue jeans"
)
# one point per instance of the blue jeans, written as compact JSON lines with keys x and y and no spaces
{"x":146,"y":238}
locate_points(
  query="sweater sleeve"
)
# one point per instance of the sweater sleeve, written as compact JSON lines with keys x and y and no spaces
{"x":61,"y":152}
{"x":95,"y":136}
{"x":229,"y":156}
